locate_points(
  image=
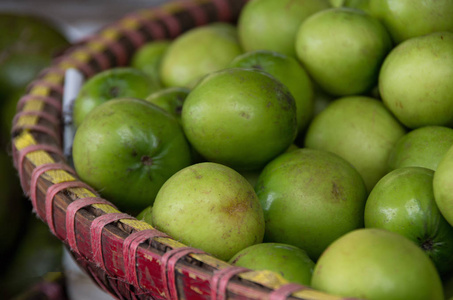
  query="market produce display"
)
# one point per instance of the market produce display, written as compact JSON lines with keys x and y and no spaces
{"x":205,"y":166}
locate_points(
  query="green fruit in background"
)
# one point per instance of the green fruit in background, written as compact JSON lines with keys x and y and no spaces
{"x":403,"y":202}
{"x":310,"y":198}
{"x":127,"y":148}
{"x":109,"y":84}
{"x":288,"y":71}
{"x":272,"y":25}
{"x":27,"y":45}
{"x":377,"y":264}
{"x":443,"y":186}
{"x":219,"y":212}
{"x":149,"y":57}
{"x":415,"y":80}
{"x":405,"y":19}
{"x":170,"y":99}
{"x":198,"y":52}
{"x":290,"y":262}
{"x":146,"y":215}
{"x":422,"y":147}
{"x":359,"y":129}
{"x":343,"y":49}
{"x":242,"y":118}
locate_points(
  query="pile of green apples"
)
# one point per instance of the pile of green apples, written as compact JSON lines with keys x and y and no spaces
{"x":311,"y":138}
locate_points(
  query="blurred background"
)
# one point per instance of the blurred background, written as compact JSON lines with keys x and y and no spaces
{"x":33,"y":263}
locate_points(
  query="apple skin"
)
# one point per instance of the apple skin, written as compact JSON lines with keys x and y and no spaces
{"x":289,"y":261}
{"x":342,"y":49}
{"x":109,"y":84}
{"x":443,"y":186}
{"x":242,"y":118}
{"x":403,"y":202}
{"x":415,"y":80}
{"x":310,"y":198}
{"x":127,"y":148}
{"x":371,"y":263}
{"x":405,"y":19}
{"x":272,"y":25}
{"x":170,"y":99}
{"x":211,"y":207}
{"x":149,"y":57}
{"x":197,"y":52}
{"x":422,"y":147}
{"x":288,"y":71}
{"x":369,"y":129}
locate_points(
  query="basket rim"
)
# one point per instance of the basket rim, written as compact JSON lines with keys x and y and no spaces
{"x":73,"y":210}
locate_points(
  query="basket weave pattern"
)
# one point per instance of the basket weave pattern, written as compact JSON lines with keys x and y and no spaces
{"x":126,"y":257}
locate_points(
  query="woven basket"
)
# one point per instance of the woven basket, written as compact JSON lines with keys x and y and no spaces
{"x":126,"y":257}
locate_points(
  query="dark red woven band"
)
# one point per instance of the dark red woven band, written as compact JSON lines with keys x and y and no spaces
{"x":71,"y":212}
{"x":43,"y":83}
{"x":20,"y":158}
{"x":38,"y":113}
{"x":38,"y":171}
{"x":152,"y":27}
{"x":283,"y":292}
{"x":168,"y":263}
{"x":196,"y":11}
{"x":55,"y":102}
{"x":53,"y":190}
{"x":117,"y":49}
{"x":172,"y":23}
{"x":130,"y":246}
{"x":39,"y":128}
{"x":96,"y":228}
{"x":223,"y":9}
{"x":220,"y":279}
{"x":51,"y":70}
{"x":134,"y":36}
{"x":84,"y":67}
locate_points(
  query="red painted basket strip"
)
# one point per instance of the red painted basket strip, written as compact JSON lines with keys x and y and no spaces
{"x":38,"y":171}
{"x":223,"y":9}
{"x":130,"y":246}
{"x":197,"y":12}
{"x":54,"y":190}
{"x":46,"y":99}
{"x":220,"y":279}
{"x":23,"y":153}
{"x":169,"y":260}
{"x":96,"y":228}
{"x":170,"y":21}
{"x":39,"y":113}
{"x":43,"y":83}
{"x":285,"y":291}
{"x":71,"y":212}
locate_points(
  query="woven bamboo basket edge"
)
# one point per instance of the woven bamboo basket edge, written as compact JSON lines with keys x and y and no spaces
{"x":126,"y":257}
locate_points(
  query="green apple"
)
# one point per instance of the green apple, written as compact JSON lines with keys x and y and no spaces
{"x":197,"y":52}
{"x":377,"y":264}
{"x":272,"y":25}
{"x":406,"y":19}
{"x":289,"y":261}
{"x":146,"y":215}
{"x":211,"y":207}
{"x":148,"y":59}
{"x":415,"y":80}
{"x":422,"y":147}
{"x":359,"y":129}
{"x":310,"y":198}
{"x":343,"y":49}
{"x":288,"y":71}
{"x":109,"y":84}
{"x":443,"y":186}
{"x":403,"y":202}
{"x":170,"y":99}
{"x":239,"y":117}
{"x":127,"y":148}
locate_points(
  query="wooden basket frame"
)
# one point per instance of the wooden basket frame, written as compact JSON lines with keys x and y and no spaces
{"x":126,"y":257}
